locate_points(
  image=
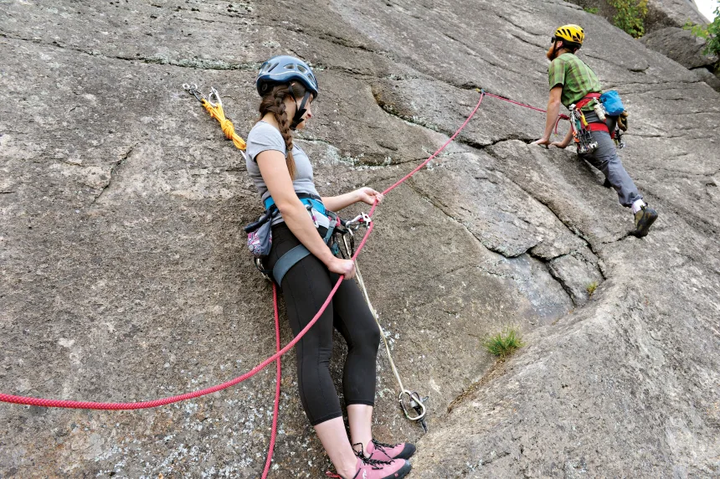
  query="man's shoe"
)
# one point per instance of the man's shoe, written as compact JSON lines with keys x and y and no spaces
{"x":644,"y":220}
{"x":388,"y":452}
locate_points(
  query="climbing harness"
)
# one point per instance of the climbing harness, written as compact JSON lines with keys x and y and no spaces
{"x":260,"y":236}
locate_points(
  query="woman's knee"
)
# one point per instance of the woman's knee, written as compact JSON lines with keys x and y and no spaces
{"x":367,"y":339}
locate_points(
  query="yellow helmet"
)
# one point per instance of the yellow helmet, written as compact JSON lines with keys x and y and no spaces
{"x":570,"y":33}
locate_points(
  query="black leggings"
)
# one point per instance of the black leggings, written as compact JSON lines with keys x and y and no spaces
{"x":305,"y":288}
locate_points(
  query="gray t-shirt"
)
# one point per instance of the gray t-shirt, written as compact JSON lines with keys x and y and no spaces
{"x":263,"y":137}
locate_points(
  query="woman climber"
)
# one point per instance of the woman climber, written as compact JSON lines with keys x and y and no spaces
{"x":283,"y":175}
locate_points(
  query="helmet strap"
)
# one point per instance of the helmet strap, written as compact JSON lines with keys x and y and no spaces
{"x":299,"y":110}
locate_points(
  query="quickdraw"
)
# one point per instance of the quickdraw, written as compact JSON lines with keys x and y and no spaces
{"x":215,"y":108}
{"x":581,"y":131}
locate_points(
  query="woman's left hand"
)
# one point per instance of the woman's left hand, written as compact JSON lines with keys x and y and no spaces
{"x":368,"y":195}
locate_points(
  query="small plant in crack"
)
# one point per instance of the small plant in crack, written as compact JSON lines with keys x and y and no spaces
{"x":591,"y":288}
{"x":504,"y":343}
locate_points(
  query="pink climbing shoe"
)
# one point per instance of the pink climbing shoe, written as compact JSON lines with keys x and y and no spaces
{"x":368,"y":468}
{"x":387,"y":452}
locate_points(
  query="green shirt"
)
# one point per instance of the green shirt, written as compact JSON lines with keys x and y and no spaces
{"x":576,"y":78}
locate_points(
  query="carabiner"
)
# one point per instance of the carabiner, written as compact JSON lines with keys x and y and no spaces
{"x":415,"y":402}
{"x":214,"y":94}
{"x":355,"y":223}
{"x":192,"y":89}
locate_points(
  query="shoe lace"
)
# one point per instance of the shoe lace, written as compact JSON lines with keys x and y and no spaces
{"x":374,"y":463}
{"x":382,"y":445}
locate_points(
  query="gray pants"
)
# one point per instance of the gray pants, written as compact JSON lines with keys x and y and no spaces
{"x":606,"y":159}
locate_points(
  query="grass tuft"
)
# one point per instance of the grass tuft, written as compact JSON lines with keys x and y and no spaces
{"x":591,"y":288}
{"x":503,"y":344}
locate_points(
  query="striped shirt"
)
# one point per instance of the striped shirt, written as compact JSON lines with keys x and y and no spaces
{"x":576,"y":78}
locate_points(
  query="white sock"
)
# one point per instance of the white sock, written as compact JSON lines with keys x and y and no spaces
{"x":637,"y":205}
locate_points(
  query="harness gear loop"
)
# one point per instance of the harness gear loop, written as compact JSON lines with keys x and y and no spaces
{"x":216,"y":111}
{"x":581,"y":131}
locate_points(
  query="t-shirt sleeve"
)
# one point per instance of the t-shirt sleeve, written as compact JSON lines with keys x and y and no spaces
{"x":262,"y":138}
{"x":556,"y":73}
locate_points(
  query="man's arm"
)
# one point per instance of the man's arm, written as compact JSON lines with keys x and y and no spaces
{"x":566,"y":140}
{"x":553,"y":110}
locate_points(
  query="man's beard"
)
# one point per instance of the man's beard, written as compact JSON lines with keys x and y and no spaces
{"x":551,"y":54}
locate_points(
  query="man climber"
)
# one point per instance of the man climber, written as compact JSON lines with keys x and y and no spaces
{"x":573,"y":83}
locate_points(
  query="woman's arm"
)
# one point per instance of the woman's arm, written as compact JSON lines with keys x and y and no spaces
{"x":277,"y":178}
{"x":364,"y":194}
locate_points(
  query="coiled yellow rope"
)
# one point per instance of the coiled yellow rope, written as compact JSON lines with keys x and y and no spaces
{"x":216,"y":111}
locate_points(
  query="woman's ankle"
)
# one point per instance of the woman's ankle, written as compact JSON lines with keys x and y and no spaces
{"x":347,"y":471}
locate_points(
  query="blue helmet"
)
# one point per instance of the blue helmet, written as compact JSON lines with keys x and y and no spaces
{"x":285,"y":69}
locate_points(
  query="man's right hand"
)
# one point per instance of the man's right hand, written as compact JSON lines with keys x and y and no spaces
{"x":541,"y":142}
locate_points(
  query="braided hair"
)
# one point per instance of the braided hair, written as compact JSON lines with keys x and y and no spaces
{"x":274,"y":102}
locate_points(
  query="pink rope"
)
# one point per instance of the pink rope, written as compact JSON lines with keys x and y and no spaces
{"x":41,"y":402}
{"x":402,"y":180}
{"x":557,"y":122}
{"x":278,"y":374}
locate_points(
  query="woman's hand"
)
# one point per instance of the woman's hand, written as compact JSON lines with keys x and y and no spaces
{"x":345,"y":267}
{"x":368,"y":195}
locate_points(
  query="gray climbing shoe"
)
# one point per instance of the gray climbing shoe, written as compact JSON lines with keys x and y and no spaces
{"x":644,"y":220}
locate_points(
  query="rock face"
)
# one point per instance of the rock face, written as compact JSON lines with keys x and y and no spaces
{"x":675,"y":13}
{"x":680,"y":45}
{"x":125,"y":276}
